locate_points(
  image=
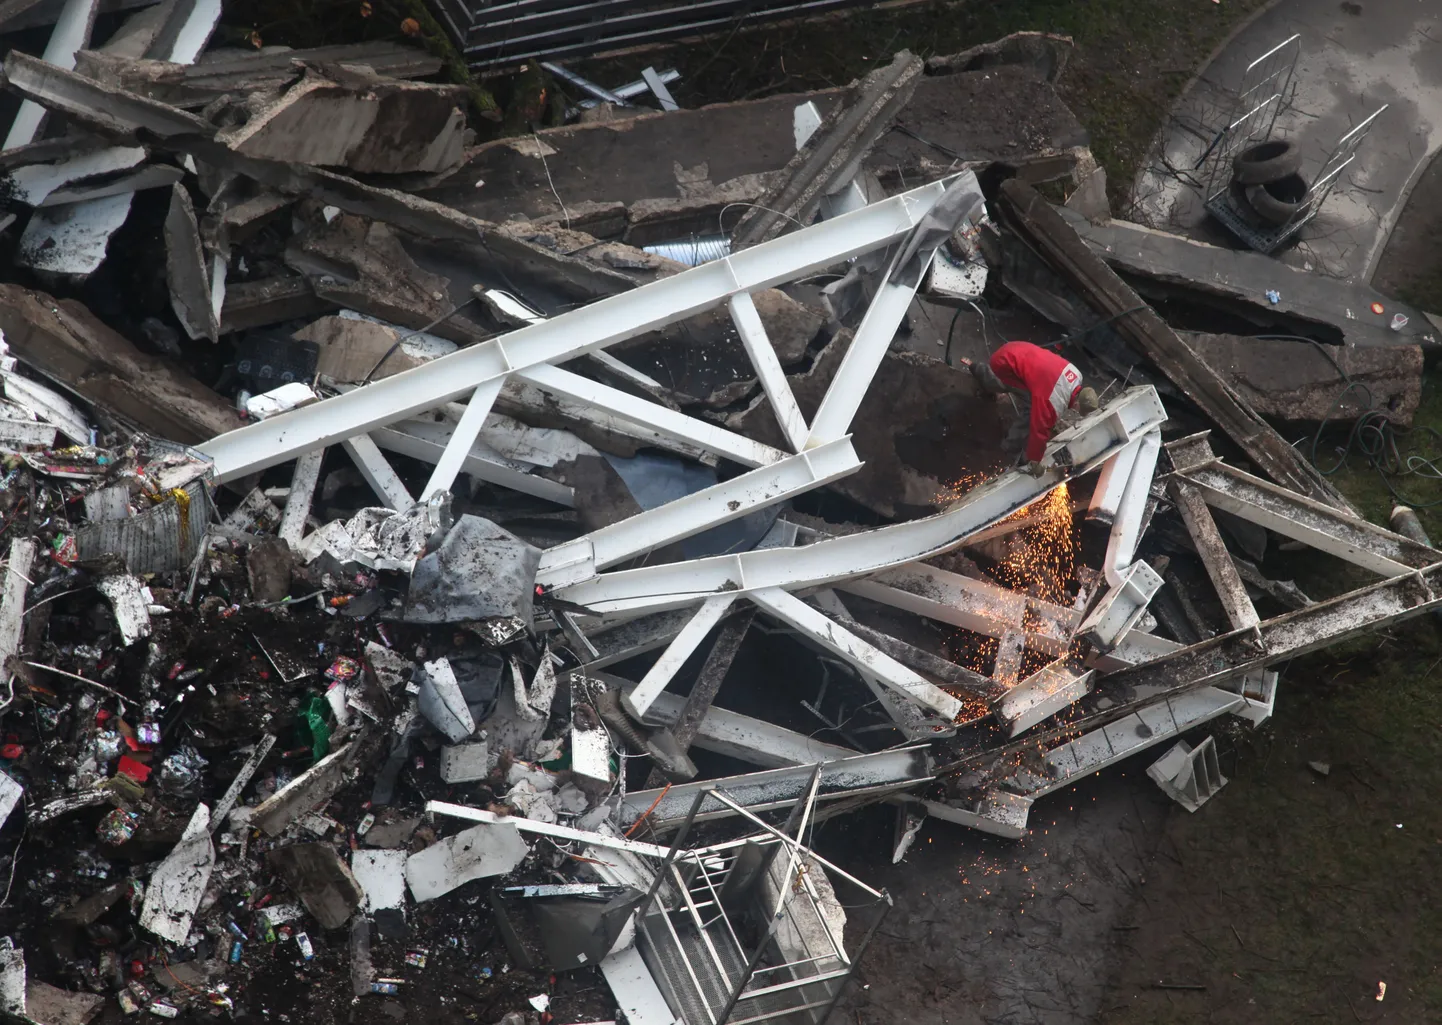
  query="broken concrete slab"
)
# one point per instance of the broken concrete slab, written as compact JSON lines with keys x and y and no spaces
{"x":1043,"y":52}
{"x":382,"y":878}
{"x":476,"y":853}
{"x":178,"y":884}
{"x":353,"y":350}
{"x":611,"y":195}
{"x":1325,"y":308}
{"x":113,"y":112}
{"x":65,"y":341}
{"x":549,"y":266}
{"x":391,"y":831}
{"x":151,"y":176}
{"x":361,"y":264}
{"x":185,"y":268}
{"x":243,"y":71}
{"x":479,"y":571}
{"x":72,"y":238}
{"x":33,"y":183}
{"x":268,"y":301}
{"x":12,"y":605}
{"x":12,"y":978}
{"x":464,"y":763}
{"x":316,"y":874}
{"x":337,"y":116}
{"x":48,"y":1005}
{"x":1302,"y":383}
{"x":832,"y":155}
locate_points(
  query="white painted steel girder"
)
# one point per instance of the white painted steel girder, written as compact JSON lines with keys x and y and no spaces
{"x":654,"y":588}
{"x":649,"y":414}
{"x":428,"y":441}
{"x":879,"y":773}
{"x":602,"y":323}
{"x":768,"y":369}
{"x":685,"y":643}
{"x":580,"y":559}
{"x":866,"y":659}
{"x":378,"y":473}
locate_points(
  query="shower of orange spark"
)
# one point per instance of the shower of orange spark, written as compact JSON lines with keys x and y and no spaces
{"x":1044,"y":563}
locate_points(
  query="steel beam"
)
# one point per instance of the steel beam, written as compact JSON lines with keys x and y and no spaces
{"x":655,"y":588}
{"x":866,"y":659}
{"x":458,"y":449}
{"x":580,"y":559}
{"x":863,"y":356}
{"x":602,"y":323}
{"x":427,"y":442}
{"x":302,"y":492}
{"x":1228,"y":658}
{"x":378,"y":473}
{"x":743,"y":737}
{"x":1302,"y":519}
{"x":768,"y":369}
{"x":866,"y":774}
{"x":1214,"y":555}
{"x":677,"y":652}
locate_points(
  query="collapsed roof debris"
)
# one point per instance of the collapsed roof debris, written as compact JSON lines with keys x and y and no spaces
{"x":394,"y":542}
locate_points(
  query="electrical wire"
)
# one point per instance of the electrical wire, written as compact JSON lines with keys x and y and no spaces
{"x":1374,"y":435}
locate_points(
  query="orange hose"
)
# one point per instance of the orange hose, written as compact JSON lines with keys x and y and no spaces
{"x":637,"y":824}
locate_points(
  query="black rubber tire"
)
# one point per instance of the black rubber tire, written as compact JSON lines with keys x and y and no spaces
{"x":1276,"y":202}
{"x":1266,"y":162}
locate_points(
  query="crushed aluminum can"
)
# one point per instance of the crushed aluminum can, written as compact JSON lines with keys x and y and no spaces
{"x":182,"y":770}
{"x":303,"y":941}
{"x":416,"y":958}
{"x":139,"y":992}
{"x":116,"y":827}
{"x":164,"y":1010}
{"x":237,"y":949}
{"x":385,"y":988}
{"x":365,"y":825}
{"x":148,"y":733}
{"x":128,"y":1003}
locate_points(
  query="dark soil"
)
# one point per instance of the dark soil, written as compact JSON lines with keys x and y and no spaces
{"x":1410,"y":267}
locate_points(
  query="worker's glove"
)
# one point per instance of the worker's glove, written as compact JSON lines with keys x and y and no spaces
{"x":1033,"y":469}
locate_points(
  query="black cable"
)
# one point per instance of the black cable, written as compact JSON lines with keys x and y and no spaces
{"x":1374,"y":435}
{"x":407,"y":337}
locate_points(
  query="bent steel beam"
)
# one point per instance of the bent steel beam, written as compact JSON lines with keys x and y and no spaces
{"x":654,"y":588}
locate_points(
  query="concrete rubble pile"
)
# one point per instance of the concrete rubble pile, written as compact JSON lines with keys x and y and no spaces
{"x":439,"y":576}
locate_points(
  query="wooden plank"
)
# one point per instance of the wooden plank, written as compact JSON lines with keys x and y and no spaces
{"x":1033,"y":218}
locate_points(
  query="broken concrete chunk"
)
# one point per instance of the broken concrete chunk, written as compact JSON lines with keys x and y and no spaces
{"x":382,"y":878}
{"x":130,"y":601}
{"x":464,"y":763}
{"x":442,"y":702}
{"x":348,"y":117}
{"x":177,"y":886}
{"x":47,"y":1005}
{"x":1303,"y":383}
{"x":65,"y":341}
{"x":391,"y":832}
{"x":322,"y":881}
{"x":72,"y":238}
{"x":352,"y":350}
{"x":475,"y":853}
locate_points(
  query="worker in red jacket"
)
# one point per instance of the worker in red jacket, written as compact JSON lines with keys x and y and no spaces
{"x":1048,"y":384}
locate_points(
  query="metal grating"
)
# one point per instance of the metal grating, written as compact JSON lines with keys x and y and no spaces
{"x":496,"y":36}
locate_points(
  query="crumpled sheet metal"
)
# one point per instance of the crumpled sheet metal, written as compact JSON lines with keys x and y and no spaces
{"x":163,"y":539}
{"x":479,"y":572}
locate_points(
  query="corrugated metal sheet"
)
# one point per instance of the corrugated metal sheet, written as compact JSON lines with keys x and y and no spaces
{"x":498,"y":35}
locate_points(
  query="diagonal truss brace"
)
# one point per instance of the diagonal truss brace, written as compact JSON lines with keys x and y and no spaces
{"x":600,"y":324}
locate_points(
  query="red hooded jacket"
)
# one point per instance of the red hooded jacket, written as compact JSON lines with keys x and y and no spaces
{"x":1051,"y":381}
